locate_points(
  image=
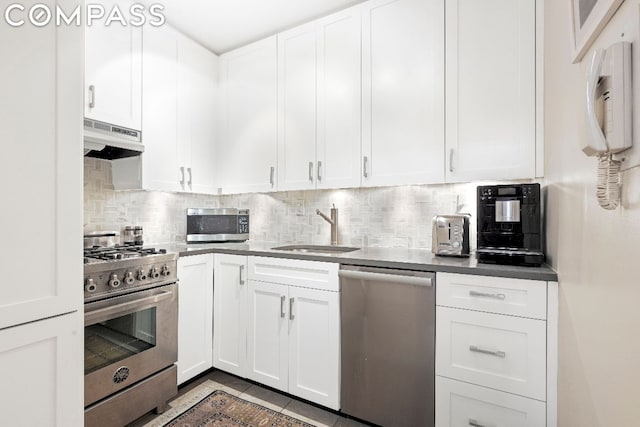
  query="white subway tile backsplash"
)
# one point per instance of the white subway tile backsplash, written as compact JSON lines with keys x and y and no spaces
{"x":386,"y":216}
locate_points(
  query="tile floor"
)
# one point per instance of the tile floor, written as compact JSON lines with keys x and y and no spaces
{"x":217,"y":380}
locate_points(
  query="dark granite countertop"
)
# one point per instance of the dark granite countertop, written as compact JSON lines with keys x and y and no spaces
{"x":408,"y":259}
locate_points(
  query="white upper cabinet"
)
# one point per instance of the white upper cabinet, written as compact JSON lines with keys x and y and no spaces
{"x":41,"y":134}
{"x":197,"y":90}
{"x":319,"y":88}
{"x":113,"y":73}
{"x":339,"y":99}
{"x":247,"y":145}
{"x":179,"y":116}
{"x":403,"y":92}
{"x":491,"y":89}
{"x":297,"y":108}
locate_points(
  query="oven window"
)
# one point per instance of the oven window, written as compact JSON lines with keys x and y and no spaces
{"x":116,"y":339}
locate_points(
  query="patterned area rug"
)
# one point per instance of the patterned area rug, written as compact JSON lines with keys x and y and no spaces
{"x":220,"y":409}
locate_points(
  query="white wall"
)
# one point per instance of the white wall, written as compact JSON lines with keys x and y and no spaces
{"x":594,"y":251}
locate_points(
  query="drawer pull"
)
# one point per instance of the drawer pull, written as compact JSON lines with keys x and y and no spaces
{"x":500,"y":297}
{"x":282,"y":298}
{"x":495,"y":353}
{"x":475,"y":423}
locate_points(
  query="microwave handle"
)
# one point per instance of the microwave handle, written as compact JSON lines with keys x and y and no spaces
{"x":102,"y":314}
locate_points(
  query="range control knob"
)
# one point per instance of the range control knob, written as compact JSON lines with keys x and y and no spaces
{"x":128,"y":278}
{"x":154,"y":273}
{"x":142,"y":275}
{"x":165,"y":270}
{"x":114,"y":282}
{"x":89,"y":285}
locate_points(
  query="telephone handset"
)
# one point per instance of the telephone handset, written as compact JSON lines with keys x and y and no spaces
{"x":609,"y":117}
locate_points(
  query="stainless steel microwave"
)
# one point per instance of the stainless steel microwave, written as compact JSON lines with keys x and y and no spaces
{"x":217,"y":225}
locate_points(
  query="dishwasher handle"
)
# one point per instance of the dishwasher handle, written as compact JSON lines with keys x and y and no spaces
{"x":386,"y":277}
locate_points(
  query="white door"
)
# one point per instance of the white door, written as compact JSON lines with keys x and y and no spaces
{"x":403,"y":92}
{"x":160,"y":166}
{"x":491,"y":107}
{"x":230,"y":313}
{"x":314,"y":345}
{"x":113,"y":72}
{"x":197,"y":80}
{"x":267,"y":338}
{"x":297,"y":108}
{"x":195,"y":315}
{"x":339,"y":99}
{"x":247,"y":146}
{"x":41,"y":126}
{"x":43,"y":359}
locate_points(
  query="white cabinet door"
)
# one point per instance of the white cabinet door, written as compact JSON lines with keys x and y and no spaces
{"x":113,"y":72}
{"x":339,"y":99}
{"x":160,"y":169}
{"x":230,"y":313}
{"x":247,"y":146}
{"x":41,"y":126}
{"x":491,"y":83}
{"x":403,"y":92}
{"x":195,"y":316}
{"x":297,"y":108}
{"x":314,"y":345}
{"x":45,"y":359}
{"x":268,"y":353}
{"x":196,"y":115}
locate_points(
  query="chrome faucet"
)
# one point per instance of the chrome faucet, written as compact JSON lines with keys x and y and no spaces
{"x":334,"y":223}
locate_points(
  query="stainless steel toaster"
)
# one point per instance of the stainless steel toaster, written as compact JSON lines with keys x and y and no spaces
{"x":451,"y":235}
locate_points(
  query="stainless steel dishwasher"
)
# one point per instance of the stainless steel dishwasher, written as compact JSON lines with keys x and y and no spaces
{"x":388,"y":346}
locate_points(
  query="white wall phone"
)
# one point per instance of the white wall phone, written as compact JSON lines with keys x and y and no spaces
{"x":609,"y":117}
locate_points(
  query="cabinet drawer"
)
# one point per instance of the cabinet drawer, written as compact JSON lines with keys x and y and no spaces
{"x":516,"y":297}
{"x":460,"y":404}
{"x":501,"y":352}
{"x":305,"y":274}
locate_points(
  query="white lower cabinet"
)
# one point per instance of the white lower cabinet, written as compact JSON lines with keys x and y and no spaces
{"x":459,"y":404}
{"x":230,"y":314}
{"x":496,"y":355}
{"x":195,"y":316}
{"x":294,"y":340}
{"x":268,"y":353}
{"x":314,"y":345}
{"x":49,"y":354}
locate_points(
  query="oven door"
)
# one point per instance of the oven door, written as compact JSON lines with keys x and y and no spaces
{"x":129,"y":338}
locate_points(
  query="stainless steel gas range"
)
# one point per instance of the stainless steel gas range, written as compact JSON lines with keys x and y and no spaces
{"x":131,"y":333}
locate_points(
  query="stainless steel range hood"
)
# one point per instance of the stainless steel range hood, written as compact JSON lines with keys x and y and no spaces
{"x":110,"y":142}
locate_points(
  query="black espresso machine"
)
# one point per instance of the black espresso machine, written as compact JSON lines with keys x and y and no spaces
{"x":510,"y":225}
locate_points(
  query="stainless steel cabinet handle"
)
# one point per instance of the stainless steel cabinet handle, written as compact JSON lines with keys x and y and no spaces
{"x":319,"y":171}
{"x":474,"y":423}
{"x":291,"y":316}
{"x":241,"y":274}
{"x":501,"y":297}
{"x":365,"y":166}
{"x":495,"y":353}
{"x":381,"y":277}
{"x":282,"y":298}
{"x":311,"y":171}
{"x":92,"y":96}
{"x":182,"y":181}
{"x":451,"y":160}
{"x":190,"y":177}
{"x":272,"y":177}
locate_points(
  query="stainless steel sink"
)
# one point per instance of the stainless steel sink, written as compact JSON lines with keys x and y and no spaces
{"x":316,"y":249}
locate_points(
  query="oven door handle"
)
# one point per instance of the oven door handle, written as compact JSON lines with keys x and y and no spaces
{"x":101,"y":314}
